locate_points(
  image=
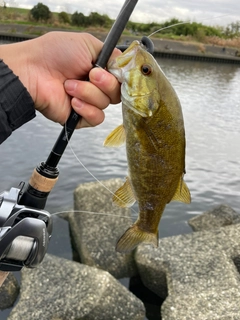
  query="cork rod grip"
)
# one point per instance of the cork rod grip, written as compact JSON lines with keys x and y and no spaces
{"x":41,"y":183}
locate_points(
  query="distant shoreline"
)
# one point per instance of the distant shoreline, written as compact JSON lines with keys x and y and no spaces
{"x":164,"y":48}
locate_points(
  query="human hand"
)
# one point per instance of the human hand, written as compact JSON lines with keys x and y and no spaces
{"x":53,"y":68}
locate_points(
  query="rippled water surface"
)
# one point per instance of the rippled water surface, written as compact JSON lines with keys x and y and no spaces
{"x":210,"y":98}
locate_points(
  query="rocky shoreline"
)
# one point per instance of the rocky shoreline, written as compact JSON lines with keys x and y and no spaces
{"x":196,"y":275}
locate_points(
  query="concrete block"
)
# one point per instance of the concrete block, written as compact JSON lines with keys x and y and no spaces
{"x":95,"y":234}
{"x":60,"y":289}
{"x":198,"y":273}
{"x":220,"y":216}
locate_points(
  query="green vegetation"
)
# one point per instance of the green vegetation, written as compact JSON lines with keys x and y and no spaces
{"x":94,"y":19}
{"x":175,"y":28}
{"x":13,"y":14}
{"x":63,"y":17}
{"x":40,"y":12}
{"x":172,"y":29}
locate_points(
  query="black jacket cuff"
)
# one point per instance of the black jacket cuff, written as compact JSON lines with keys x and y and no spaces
{"x":16,"y":104}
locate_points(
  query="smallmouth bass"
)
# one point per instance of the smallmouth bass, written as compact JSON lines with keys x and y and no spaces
{"x":153,"y":130}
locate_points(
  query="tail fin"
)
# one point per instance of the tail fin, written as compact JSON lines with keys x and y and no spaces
{"x":133,"y":237}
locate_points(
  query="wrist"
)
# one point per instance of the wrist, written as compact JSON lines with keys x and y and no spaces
{"x":18,"y":58}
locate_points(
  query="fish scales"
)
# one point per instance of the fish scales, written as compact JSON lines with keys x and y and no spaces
{"x":153,"y":130}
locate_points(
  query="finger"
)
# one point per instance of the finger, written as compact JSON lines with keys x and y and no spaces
{"x":91,"y":115}
{"x":107,"y":83}
{"x":88,"y":92}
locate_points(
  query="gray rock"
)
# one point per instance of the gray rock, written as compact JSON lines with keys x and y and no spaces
{"x":60,"y":289}
{"x":210,"y":305}
{"x":220,"y":216}
{"x":201,"y":272}
{"x":8,"y":292}
{"x":95,"y":235}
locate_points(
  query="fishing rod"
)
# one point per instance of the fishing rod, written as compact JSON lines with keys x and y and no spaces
{"x":46,"y":174}
{"x":25,"y":227}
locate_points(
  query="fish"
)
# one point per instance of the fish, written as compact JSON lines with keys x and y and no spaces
{"x":153,"y":130}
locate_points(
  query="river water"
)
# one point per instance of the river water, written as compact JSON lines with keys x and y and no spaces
{"x":210,"y":98}
{"x":210,"y":101}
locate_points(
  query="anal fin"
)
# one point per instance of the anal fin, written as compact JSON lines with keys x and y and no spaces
{"x":182,"y":192}
{"x":124,"y":196}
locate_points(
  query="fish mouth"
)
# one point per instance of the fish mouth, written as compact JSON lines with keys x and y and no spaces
{"x":121,"y":68}
{"x":117,"y":73}
{"x":122,"y":64}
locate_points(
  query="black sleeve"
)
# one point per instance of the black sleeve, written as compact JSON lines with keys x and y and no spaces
{"x":16,"y":104}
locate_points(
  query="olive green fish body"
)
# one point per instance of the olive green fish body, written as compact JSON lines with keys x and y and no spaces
{"x":153,"y":129}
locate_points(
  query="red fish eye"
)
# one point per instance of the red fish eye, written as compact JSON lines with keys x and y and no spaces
{"x":146,"y":69}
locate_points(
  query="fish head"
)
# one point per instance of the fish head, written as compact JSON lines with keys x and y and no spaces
{"x":137,"y":71}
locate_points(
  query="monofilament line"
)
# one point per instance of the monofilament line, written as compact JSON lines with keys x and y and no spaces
{"x":185,"y":22}
{"x":88,"y":171}
{"x":90,"y":212}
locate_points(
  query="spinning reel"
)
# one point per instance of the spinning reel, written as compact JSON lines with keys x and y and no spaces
{"x":24,"y":233}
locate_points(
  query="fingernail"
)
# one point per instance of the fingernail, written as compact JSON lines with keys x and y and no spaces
{"x":77,"y":103}
{"x":98,"y":75}
{"x":70,"y":85}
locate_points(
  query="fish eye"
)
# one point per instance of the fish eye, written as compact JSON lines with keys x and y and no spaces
{"x":146,"y":69}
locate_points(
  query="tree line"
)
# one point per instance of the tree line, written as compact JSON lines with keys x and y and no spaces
{"x":179,"y":28}
{"x":42,"y":13}
{"x":176,"y":27}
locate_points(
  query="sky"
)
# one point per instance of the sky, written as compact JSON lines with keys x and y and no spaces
{"x":209,"y":12}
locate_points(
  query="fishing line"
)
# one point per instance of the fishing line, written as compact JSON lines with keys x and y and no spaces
{"x":82,"y":164}
{"x":185,"y":22}
{"x":90,"y":212}
{"x":173,"y":25}
{"x":88,"y":171}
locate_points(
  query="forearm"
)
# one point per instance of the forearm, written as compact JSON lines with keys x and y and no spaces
{"x":16,"y":105}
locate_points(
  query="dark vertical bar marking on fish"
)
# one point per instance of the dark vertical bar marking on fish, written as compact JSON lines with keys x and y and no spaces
{"x":108,"y":47}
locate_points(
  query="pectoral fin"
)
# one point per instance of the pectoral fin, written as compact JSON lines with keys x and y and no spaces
{"x":124,"y":196}
{"x":116,"y":138}
{"x":182,"y":193}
